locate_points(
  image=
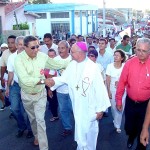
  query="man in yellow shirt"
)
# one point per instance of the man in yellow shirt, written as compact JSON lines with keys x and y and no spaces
{"x":29,"y":66}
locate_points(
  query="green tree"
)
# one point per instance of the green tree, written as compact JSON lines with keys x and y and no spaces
{"x":22,"y":26}
{"x":39,"y":1}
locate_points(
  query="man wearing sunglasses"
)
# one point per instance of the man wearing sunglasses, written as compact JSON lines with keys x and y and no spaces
{"x":29,"y":66}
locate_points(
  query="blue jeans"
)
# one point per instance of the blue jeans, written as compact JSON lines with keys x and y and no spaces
{"x":65,"y":108}
{"x":17,"y":107}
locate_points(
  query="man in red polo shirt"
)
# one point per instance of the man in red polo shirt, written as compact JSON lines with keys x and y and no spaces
{"x":135,"y":78}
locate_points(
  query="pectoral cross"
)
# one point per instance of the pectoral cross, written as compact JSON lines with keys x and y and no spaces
{"x":77,"y":87}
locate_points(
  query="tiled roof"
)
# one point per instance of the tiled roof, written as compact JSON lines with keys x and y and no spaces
{"x":13,"y":6}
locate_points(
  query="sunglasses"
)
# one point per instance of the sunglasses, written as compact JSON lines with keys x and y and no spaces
{"x":91,"y":56}
{"x":34,"y":47}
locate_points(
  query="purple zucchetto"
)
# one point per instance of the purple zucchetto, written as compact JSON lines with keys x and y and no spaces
{"x":82,"y":46}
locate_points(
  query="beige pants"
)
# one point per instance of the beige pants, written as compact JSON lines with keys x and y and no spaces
{"x":35,"y":106}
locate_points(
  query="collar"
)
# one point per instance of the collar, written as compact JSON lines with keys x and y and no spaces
{"x":145,"y":62}
{"x":27,"y":57}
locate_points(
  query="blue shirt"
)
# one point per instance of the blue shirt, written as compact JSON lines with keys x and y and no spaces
{"x":105,"y":59}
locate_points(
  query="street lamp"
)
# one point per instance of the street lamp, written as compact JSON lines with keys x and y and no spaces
{"x":104,"y":19}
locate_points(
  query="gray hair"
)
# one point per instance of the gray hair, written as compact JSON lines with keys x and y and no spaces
{"x":19,"y":38}
{"x":65,"y":43}
{"x":143,"y":40}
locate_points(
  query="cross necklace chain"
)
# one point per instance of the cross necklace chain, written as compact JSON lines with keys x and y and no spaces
{"x":79,"y":78}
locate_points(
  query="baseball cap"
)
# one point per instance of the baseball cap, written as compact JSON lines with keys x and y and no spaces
{"x":4,"y":45}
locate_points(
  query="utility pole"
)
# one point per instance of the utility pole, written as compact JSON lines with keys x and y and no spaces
{"x":128,"y":16}
{"x":104,"y":19}
{"x":16,"y":20}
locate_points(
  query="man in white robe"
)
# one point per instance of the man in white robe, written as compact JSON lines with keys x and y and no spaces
{"x":88,"y":95}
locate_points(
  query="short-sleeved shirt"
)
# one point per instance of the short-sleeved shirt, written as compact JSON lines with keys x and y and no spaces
{"x":110,"y":50}
{"x":4,"y":58}
{"x":114,"y":73}
{"x":105,"y":59}
{"x":127,"y":49}
{"x":10,"y":65}
{"x":44,"y":48}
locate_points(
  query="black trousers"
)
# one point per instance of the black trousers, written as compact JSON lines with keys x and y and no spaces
{"x":53,"y":104}
{"x":134,"y":118}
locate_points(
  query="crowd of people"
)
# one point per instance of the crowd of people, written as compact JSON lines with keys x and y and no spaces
{"x":82,"y":77}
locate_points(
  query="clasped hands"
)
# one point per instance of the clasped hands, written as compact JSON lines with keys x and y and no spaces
{"x":49,"y":82}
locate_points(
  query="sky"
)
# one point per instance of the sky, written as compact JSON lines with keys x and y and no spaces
{"x":137,"y":4}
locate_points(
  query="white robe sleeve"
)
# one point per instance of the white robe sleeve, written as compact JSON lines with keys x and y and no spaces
{"x":61,"y":79}
{"x":100,"y":93}
{"x":58,"y":82}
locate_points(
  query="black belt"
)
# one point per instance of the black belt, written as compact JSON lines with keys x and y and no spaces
{"x":138,"y":102}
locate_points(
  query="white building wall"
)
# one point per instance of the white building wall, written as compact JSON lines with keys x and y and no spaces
{"x":84,"y":25}
{"x":44,"y":25}
{"x":2,"y":14}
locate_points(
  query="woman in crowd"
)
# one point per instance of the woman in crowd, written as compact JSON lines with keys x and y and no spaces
{"x":113,"y":73}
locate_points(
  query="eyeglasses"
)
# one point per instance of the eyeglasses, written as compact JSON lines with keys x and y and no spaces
{"x":91,"y":55}
{"x":34,"y":47}
{"x":142,"y":51}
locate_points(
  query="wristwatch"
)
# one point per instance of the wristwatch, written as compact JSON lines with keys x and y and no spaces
{"x":42,"y":81}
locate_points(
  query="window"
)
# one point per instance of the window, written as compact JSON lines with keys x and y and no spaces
{"x":77,"y":13}
{"x":42,"y":15}
{"x":60,"y":15}
{"x":59,"y":29}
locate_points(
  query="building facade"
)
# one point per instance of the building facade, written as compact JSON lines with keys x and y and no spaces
{"x":60,"y":19}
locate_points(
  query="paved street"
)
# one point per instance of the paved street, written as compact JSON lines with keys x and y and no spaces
{"x":108,"y":139}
